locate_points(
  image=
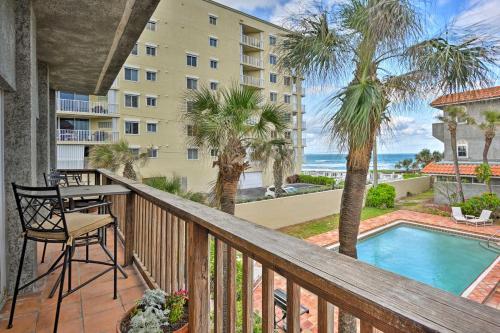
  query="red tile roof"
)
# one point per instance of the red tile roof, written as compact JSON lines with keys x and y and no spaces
{"x":467,"y":96}
{"x":465,"y":169}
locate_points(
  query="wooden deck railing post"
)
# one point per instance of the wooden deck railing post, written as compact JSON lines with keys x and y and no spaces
{"x":129,"y":229}
{"x":198,"y":283}
{"x":292,"y":307}
{"x":325,"y":316}
{"x":267,"y":300}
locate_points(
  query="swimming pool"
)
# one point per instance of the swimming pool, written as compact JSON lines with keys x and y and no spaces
{"x":442,"y":260}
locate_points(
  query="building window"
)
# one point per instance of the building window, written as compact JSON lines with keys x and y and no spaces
{"x":151,"y":76}
{"x":151,"y":50}
{"x":288,"y":117}
{"x":462,"y":150}
{"x":213,"y":85}
{"x":151,"y":26}
{"x":191,"y":131}
{"x":151,"y":101}
{"x":135,"y":151}
{"x":214,"y":152}
{"x":287,"y":81}
{"x":214,"y":64}
{"x":131,"y":74}
{"x":213,"y":41}
{"x":192,"y":153}
{"x":132,"y":127}
{"x":288,"y":135}
{"x":191,"y":83}
{"x":153,"y":152}
{"x":273,"y":78}
{"x":152,"y":127}
{"x":273,"y":97}
{"x":272,"y":40}
{"x":212,"y":20}
{"x":131,"y":101}
{"x":273,"y":59}
{"x":287,"y":99}
{"x":191,"y":60}
{"x":189,"y":106}
{"x":135,"y":49}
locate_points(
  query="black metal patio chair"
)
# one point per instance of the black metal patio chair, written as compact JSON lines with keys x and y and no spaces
{"x":44,"y":219}
{"x":280,"y":300}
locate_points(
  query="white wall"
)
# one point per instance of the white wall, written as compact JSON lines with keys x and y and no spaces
{"x":286,"y":211}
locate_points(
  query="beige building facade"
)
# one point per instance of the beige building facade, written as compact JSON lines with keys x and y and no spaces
{"x":186,"y":45}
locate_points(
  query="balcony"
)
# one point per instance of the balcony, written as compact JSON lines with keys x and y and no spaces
{"x":298,"y":90}
{"x":252,"y":42}
{"x":86,"y":107}
{"x":302,"y":107}
{"x":251,"y":81}
{"x":438,"y":131}
{"x":249,"y":61}
{"x":168,"y":239}
{"x":86,"y":136}
{"x":303,"y":125}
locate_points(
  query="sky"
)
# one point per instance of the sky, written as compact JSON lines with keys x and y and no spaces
{"x":410,"y":131}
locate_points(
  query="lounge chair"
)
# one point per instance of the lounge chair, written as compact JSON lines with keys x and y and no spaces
{"x":458,"y":216}
{"x":483,"y":219}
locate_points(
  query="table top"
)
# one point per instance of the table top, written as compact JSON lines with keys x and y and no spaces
{"x":93,"y":190}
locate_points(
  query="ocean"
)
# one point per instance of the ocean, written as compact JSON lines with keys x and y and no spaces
{"x":337,"y":161}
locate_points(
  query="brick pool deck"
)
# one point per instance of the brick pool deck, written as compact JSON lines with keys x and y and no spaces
{"x":478,"y":294}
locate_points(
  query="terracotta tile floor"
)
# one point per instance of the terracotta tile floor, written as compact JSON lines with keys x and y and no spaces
{"x":90,"y":310}
{"x":485,"y":287}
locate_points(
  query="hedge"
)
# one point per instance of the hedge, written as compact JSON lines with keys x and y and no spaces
{"x":381,"y":196}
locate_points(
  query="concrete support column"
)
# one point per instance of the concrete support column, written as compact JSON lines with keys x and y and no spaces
{"x":52,"y":129}
{"x":43,"y":128}
{"x":20,"y":110}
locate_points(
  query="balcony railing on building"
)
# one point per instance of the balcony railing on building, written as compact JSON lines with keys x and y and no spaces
{"x":98,"y":107}
{"x":295,"y":108}
{"x":303,"y":125}
{"x":251,"y":81}
{"x":68,"y":135}
{"x":298,"y":90}
{"x":252,"y":41}
{"x":170,"y":241}
{"x":251,"y":61}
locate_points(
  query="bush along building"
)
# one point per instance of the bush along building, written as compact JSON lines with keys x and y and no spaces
{"x":480,"y":120}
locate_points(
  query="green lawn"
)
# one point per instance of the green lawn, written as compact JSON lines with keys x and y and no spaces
{"x":316,"y":227}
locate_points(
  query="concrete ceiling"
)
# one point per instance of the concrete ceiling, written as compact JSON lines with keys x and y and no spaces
{"x":86,"y":42}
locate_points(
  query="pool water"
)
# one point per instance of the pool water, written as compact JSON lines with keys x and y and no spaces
{"x":440,"y":259}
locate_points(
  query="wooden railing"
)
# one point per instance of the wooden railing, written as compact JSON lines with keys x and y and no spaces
{"x":168,"y":239}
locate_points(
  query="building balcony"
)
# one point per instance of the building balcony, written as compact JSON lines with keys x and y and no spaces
{"x":252,"y":62}
{"x":167,"y":241}
{"x":86,"y":136}
{"x":298,"y":90}
{"x":438,"y":131}
{"x":303,"y":125}
{"x":252,"y":42}
{"x":295,"y":108}
{"x":86,"y":108}
{"x":251,"y":81}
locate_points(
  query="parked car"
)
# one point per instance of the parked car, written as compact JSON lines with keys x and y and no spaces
{"x":271,"y":191}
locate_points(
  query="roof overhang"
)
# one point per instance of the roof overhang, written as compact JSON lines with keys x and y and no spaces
{"x":86,"y":42}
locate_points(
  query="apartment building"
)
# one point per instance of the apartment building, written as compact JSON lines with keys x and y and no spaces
{"x":185,"y":45}
{"x":470,"y":144}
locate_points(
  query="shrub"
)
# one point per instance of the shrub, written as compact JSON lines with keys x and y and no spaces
{"x":317,"y":180}
{"x":411,"y":175}
{"x":381,"y":196}
{"x":475,"y":205}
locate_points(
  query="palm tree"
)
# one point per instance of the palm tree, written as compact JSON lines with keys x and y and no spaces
{"x":406,"y":164}
{"x":282,"y":154}
{"x":231,"y":121}
{"x":117,"y":155}
{"x":491,"y":121}
{"x":359,"y":39}
{"x":423,"y":158}
{"x":437,"y":156}
{"x":451,"y":116}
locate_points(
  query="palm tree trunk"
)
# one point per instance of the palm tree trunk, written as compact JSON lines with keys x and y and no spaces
{"x":488,"y":139}
{"x":458,"y":179}
{"x":358,"y":163}
{"x":278,"y":179}
{"x":375,"y":163}
{"x":129,"y":172}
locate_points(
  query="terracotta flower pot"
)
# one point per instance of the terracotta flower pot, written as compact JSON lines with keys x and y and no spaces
{"x":183,"y":329}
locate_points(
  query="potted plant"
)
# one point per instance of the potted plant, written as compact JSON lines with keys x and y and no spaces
{"x":157,"y":312}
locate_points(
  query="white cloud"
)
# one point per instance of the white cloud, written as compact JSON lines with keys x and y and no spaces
{"x":295,"y":7}
{"x":485,"y":13}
